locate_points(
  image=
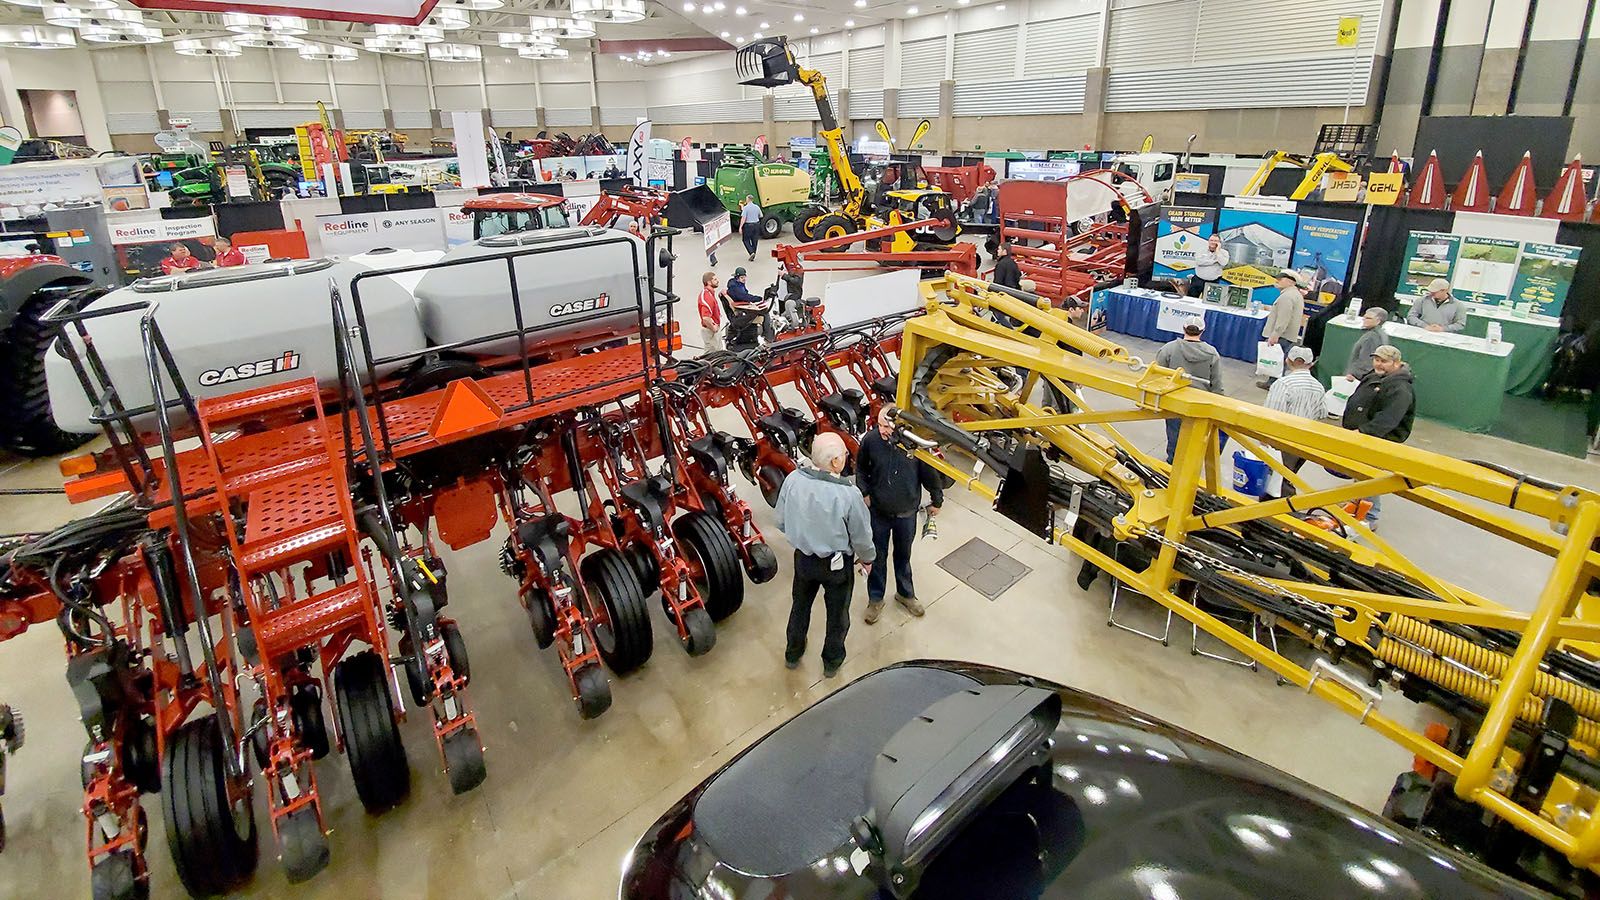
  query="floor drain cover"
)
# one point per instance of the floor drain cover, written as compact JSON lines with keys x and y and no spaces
{"x":982,"y":567}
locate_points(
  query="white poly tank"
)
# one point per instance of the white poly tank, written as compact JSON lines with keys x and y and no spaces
{"x":573,"y":284}
{"x":232,"y":330}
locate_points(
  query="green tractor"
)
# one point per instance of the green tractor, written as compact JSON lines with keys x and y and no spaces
{"x":199,"y":180}
{"x":781,"y":190}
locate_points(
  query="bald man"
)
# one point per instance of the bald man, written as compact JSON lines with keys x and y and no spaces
{"x":826,"y":520}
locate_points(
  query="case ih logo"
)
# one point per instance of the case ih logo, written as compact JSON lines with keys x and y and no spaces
{"x":345,"y":227}
{"x":288,"y":362}
{"x":573,"y":307}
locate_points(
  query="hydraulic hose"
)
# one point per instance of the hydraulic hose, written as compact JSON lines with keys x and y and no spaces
{"x":1492,"y":663}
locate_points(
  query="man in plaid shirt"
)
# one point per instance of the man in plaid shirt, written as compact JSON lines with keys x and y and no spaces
{"x":1297,"y":393}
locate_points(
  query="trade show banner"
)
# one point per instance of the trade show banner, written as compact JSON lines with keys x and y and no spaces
{"x":1181,"y":234}
{"x":1042,"y":169}
{"x":1099,"y":302}
{"x":1544,"y":276}
{"x":35,"y":184}
{"x":142,"y":246}
{"x":1342,"y":187}
{"x":1429,"y":255}
{"x":717,"y":231}
{"x":1260,"y":244}
{"x":416,"y":229}
{"x":457,"y":225}
{"x":1173,"y":316}
{"x":1485,"y":270}
{"x":1322,"y":252}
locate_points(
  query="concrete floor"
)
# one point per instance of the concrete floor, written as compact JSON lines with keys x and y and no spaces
{"x":565,"y":799}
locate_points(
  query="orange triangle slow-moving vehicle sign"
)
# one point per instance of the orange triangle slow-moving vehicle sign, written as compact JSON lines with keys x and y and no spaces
{"x":1520,"y":194}
{"x":465,"y":409}
{"x":1427,"y":190}
{"x":1472,"y":194}
{"x":1567,"y":200}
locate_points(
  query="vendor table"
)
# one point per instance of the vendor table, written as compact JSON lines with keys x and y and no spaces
{"x":1460,"y":380}
{"x":1533,"y":340}
{"x":1137,"y":311}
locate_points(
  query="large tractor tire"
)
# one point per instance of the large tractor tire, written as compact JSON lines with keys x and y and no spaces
{"x":213,"y":843}
{"x":806,"y":220}
{"x":26,"y":425}
{"x":832,"y":225}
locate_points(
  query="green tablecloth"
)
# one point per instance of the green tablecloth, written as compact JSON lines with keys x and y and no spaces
{"x":1460,"y":387}
{"x":1533,"y":346}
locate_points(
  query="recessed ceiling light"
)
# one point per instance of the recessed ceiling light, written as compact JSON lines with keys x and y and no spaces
{"x":815,"y":29}
{"x":756,"y":36}
{"x":1000,"y":8}
{"x":849,"y":23}
{"x":706,"y":9}
{"x":663,"y":53}
{"x":911,"y":10}
{"x":799,"y":17}
{"x":861,"y":4}
{"x":719,"y":6}
{"x":688,"y":7}
{"x":738,"y":39}
{"x":765,"y":25}
{"x":724,"y":35}
{"x":963,"y":2}
{"x":740,"y":11}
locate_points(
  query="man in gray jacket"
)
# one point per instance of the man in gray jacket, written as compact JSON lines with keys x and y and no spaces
{"x":1438,"y":310}
{"x":1286,"y":317}
{"x":1372,"y":337}
{"x":1202,"y":362}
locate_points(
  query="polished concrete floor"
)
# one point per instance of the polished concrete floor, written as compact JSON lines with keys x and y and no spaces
{"x":565,"y":798}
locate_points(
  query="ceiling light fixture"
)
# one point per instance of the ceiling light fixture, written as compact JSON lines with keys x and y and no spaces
{"x":688,"y":7}
{"x":472,"y":5}
{"x":725,"y":35}
{"x":738,"y":39}
{"x":248,"y":23}
{"x":426,"y":34}
{"x":270,"y":41}
{"x":799,"y":17}
{"x":544,"y":51}
{"x":911,"y":10}
{"x":707,"y":9}
{"x":815,"y":29}
{"x":127,"y":34}
{"x":765,"y":25}
{"x":663,"y":54}
{"x":397,"y":46}
{"x":206,"y":47}
{"x":37,"y":37}
{"x":861,"y":4}
{"x":328,"y":53}
{"x":449,"y":19}
{"x":46,"y":4}
{"x":556,"y":26}
{"x":719,"y":6}
{"x":618,"y":11}
{"x":740,"y":11}
{"x":849,"y":23}
{"x":756,"y":36}
{"x":80,"y":15}
{"x":453,"y":52}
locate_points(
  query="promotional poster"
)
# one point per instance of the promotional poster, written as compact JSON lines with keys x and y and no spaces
{"x":1429,"y":255}
{"x":1182,"y":232}
{"x":1323,"y":249}
{"x":1544,"y":276}
{"x":1260,"y":244}
{"x":1485,"y":270}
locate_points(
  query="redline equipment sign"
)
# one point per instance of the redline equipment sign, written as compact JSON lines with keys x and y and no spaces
{"x":160,"y":230}
{"x":412,"y":229}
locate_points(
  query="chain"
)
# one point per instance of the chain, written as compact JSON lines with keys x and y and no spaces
{"x":1270,"y":587}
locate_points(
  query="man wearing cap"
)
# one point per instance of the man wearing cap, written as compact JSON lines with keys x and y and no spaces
{"x":1438,"y":310}
{"x":746,"y":312}
{"x":1200,"y":360}
{"x":1372,"y":337}
{"x":1286,"y":317}
{"x":1384,"y":405}
{"x":1297,"y":393}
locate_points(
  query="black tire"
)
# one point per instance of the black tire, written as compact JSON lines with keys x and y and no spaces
{"x":371,"y":737}
{"x":463,"y":757}
{"x":624,"y":639}
{"x":302,"y":847}
{"x":305,"y":707}
{"x":140,"y":758}
{"x":28,"y":427}
{"x":455,"y":647}
{"x":771,"y":227}
{"x":769,"y":479}
{"x":832,"y":225}
{"x":803,"y":221}
{"x":702,"y":632}
{"x":541,"y":617}
{"x":594,"y":692}
{"x":763,"y":563}
{"x":705,"y":543}
{"x":213,"y":851}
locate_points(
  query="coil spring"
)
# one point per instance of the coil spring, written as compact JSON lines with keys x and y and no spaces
{"x":1493,"y":663}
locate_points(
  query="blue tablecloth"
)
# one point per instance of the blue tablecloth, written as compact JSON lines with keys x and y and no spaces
{"x":1233,"y":335}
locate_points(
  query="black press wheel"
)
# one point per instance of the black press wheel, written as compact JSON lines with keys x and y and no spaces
{"x":302,"y":846}
{"x":713,"y":559}
{"x":541,"y":616}
{"x":113,"y":877}
{"x":617,"y":605}
{"x":213,"y":841}
{"x":594,"y":692}
{"x":763,"y":563}
{"x":463,"y":757}
{"x":455,"y":647}
{"x":771,"y":227}
{"x":305,"y":707}
{"x":371,"y":736}
{"x":702,"y":632}
{"x":770,"y":479}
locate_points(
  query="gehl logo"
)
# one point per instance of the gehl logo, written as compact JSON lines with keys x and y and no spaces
{"x":287,"y":362}
{"x":573,"y":307}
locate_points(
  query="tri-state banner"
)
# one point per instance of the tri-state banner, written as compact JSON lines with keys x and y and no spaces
{"x":1181,"y":233}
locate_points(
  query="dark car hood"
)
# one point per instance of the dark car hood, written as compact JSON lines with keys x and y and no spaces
{"x":1135,"y":808}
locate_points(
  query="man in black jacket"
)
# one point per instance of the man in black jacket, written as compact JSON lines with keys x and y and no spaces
{"x":746,"y":314}
{"x":1384,"y":404}
{"x":1006,"y":271}
{"x":892,"y":481}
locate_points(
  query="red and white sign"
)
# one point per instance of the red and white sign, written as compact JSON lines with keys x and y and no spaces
{"x":685,"y":146}
{"x":403,"y":12}
{"x":761,"y":143}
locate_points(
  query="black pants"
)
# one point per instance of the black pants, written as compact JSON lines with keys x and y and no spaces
{"x":750,"y":233}
{"x":811,"y":573}
{"x":903,"y":529}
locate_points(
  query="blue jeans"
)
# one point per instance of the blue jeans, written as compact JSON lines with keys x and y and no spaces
{"x":1174,"y":425}
{"x":903,"y":529}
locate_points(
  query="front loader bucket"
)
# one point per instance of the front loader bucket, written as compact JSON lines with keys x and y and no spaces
{"x":694,"y":207}
{"x":765,"y":63}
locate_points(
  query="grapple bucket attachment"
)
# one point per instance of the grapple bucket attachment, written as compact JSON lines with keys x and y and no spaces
{"x":765,"y":63}
{"x":694,"y":207}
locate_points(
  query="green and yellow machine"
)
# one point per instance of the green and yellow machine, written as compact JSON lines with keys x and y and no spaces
{"x":780,"y":189}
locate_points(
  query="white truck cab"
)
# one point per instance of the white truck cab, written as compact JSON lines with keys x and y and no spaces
{"x":1156,"y":172}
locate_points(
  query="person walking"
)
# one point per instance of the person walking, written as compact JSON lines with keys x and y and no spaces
{"x":1208,"y":266}
{"x":1384,"y":405}
{"x":892,"y":481}
{"x":825,"y":518}
{"x":1006,"y":271}
{"x":1438,"y":310}
{"x":1297,"y":393}
{"x":710,"y":313}
{"x":1286,"y":318}
{"x":750,"y":225}
{"x":1372,"y":337}
{"x":1200,"y":360}
{"x":746,"y":314}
